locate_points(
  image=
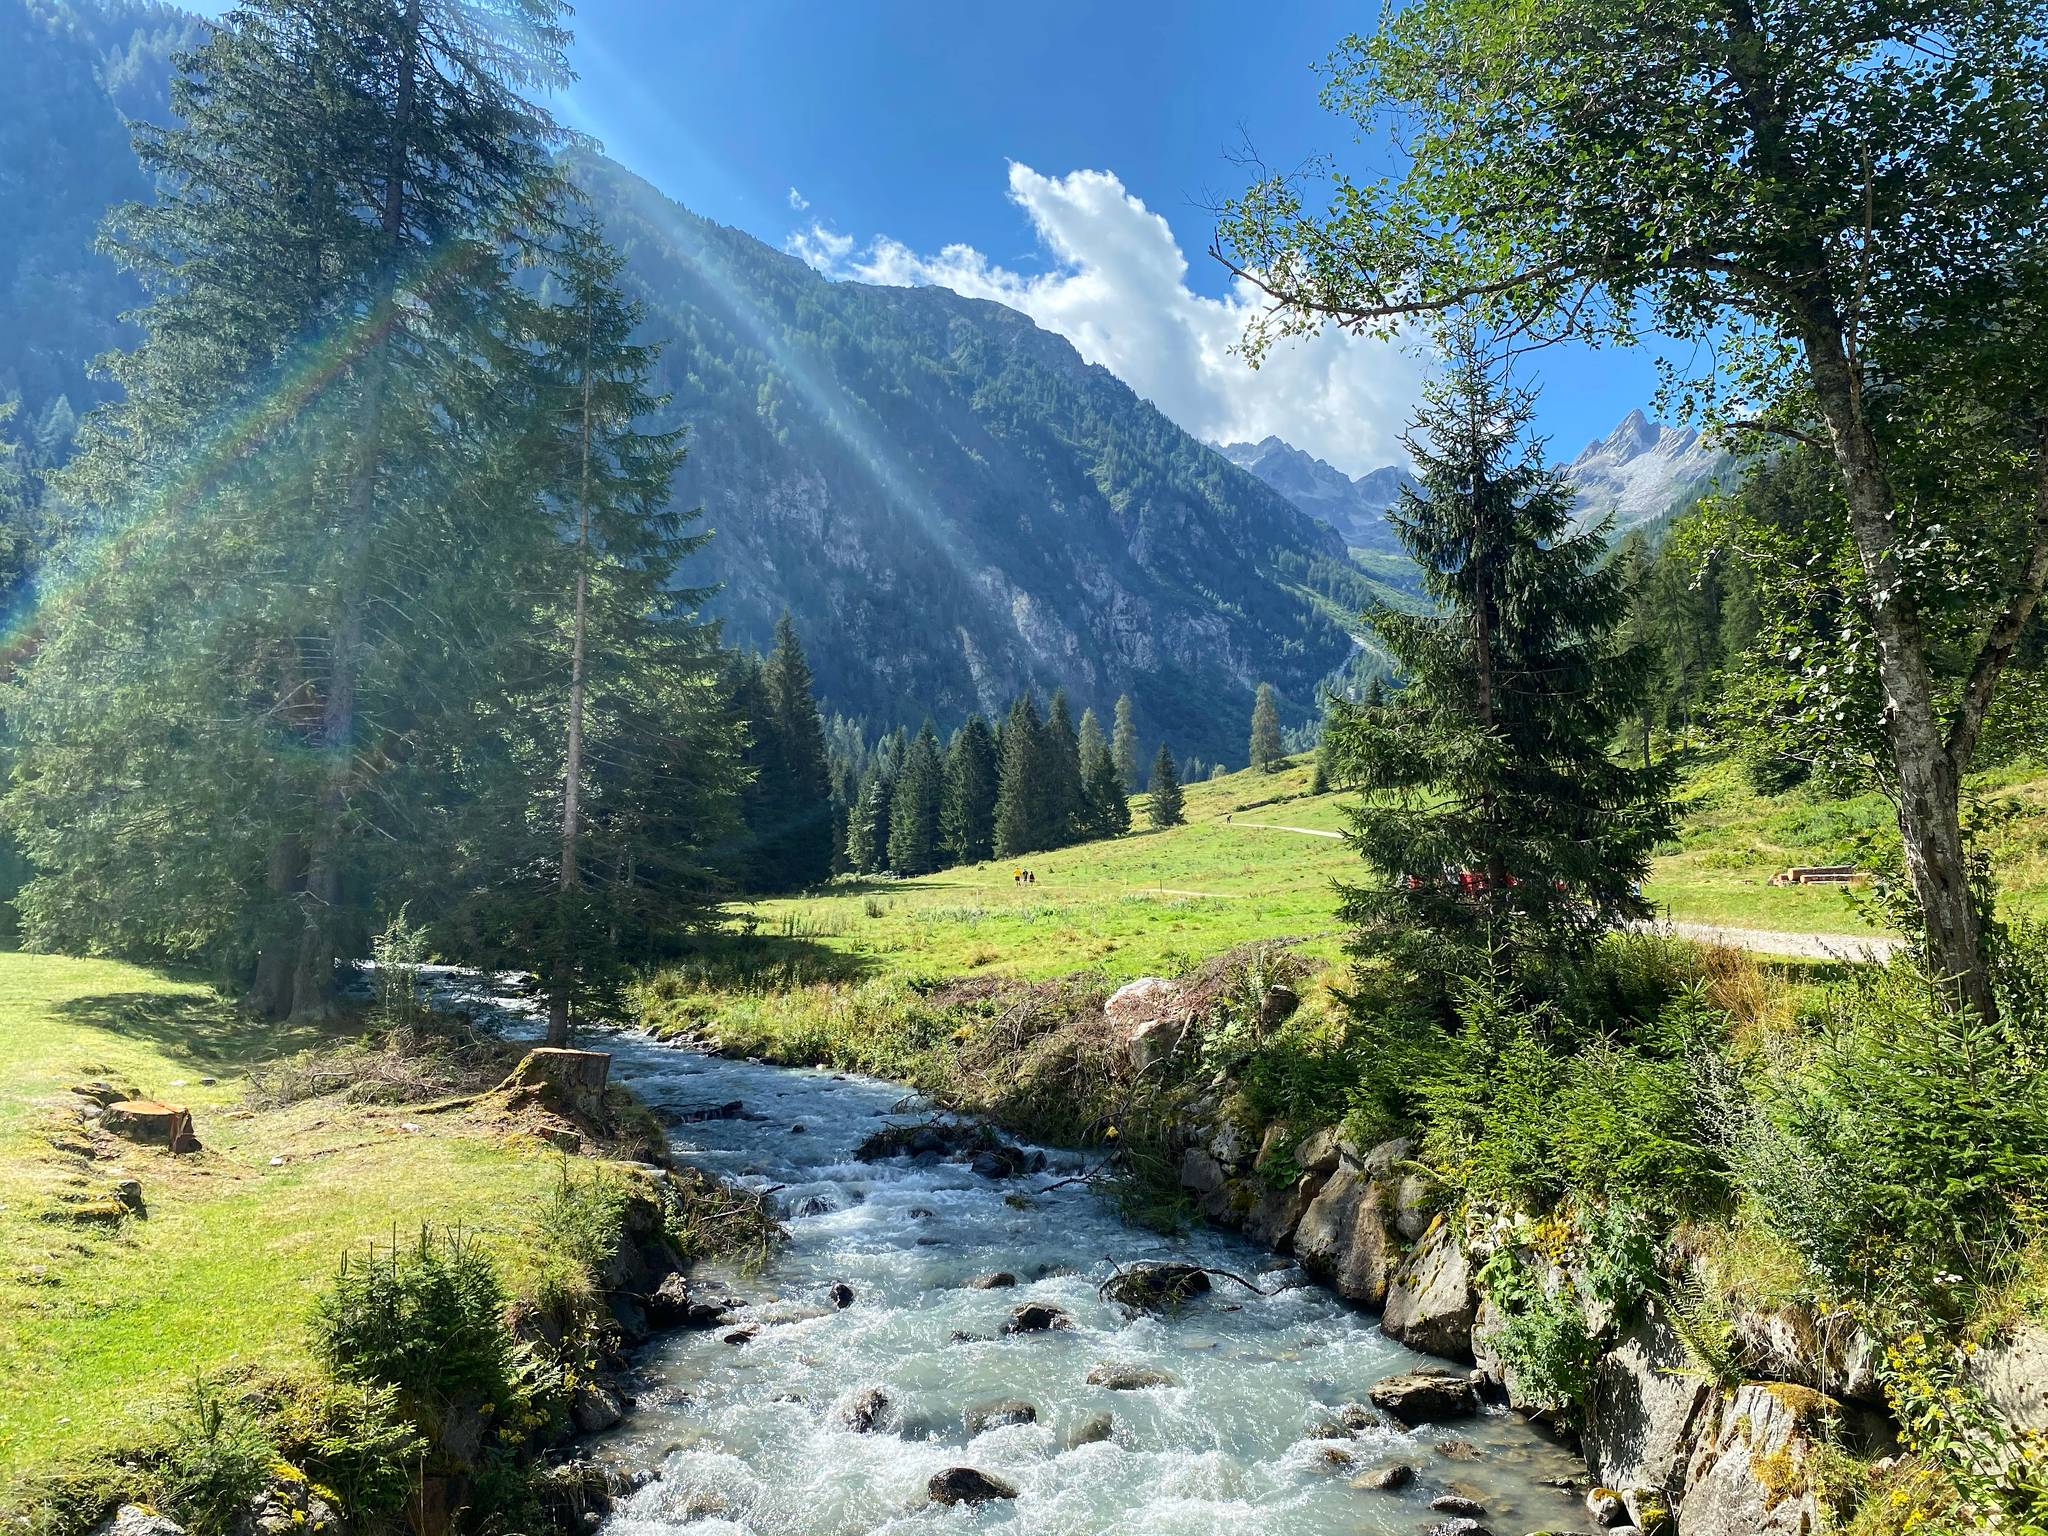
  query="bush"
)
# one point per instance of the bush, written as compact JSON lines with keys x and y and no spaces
{"x":214,"y":1456}
{"x":1543,"y":1340}
{"x":426,"y":1321}
{"x":355,"y":1441}
{"x":1906,"y":1158}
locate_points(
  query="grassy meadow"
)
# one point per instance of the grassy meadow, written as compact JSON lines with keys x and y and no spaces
{"x":1248,"y":865}
{"x":101,"y":1326}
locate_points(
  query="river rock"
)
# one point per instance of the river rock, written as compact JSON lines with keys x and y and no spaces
{"x":1648,"y":1409}
{"x":1275,"y":1211}
{"x":1464,"y":1526}
{"x":999,"y":1163}
{"x":1101,"y":1427}
{"x":1386,"y":1479}
{"x":1149,"y":1287}
{"x":1430,"y":1302}
{"x":2012,"y":1373}
{"x":669,"y":1304}
{"x":1456,"y":1504}
{"x":134,"y":1520}
{"x":841,"y":1295}
{"x":996,"y":1280}
{"x":1351,"y":1419}
{"x":1606,"y":1507}
{"x":1751,"y":1474}
{"x":865,"y":1411}
{"x":965,"y":1485}
{"x":1426,"y":1396}
{"x":1129,"y":1378}
{"x":1037,"y":1317}
{"x":998,"y":1415}
{"x":595,"y":1408}
{"x":1345,"y":1239}
{"x":1211,"y":1185}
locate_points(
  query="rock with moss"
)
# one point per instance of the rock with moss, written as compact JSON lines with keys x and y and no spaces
{"x":1649,"y":1408}
{"x":1431,"y":1303}
{"x":1753,"y":1472}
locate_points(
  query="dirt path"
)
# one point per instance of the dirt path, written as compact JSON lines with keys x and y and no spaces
{"x":1867,"y":948}
{"x":1274,"y":826}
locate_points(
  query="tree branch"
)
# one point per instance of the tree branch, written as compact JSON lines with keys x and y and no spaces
{"x":1776,"y":430}
{"x":2004,"y":633}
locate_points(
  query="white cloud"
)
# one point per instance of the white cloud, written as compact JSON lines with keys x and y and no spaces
{"x":824,"y":249}
{"x":1118,"y":291}
{"x":798,"y":201}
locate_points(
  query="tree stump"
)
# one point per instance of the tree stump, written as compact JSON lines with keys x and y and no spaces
{"x":574,"y":1080}
{"x":152,"y":1124}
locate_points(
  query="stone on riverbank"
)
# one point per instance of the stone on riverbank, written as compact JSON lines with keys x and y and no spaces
{"x":1431,"y":1303}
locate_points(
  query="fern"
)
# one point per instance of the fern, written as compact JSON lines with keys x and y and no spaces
{"x":1700,"y":1319}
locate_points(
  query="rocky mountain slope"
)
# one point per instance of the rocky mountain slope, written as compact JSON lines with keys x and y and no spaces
{"x":949,"y":501}
{"x":1640,"y":474}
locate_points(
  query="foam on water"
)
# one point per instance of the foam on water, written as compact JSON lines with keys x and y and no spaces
{"x":750,"y":1438}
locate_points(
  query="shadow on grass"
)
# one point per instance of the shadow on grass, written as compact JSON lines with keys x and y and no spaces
{"x":208,"y":1032}
{"x":763,"y":961}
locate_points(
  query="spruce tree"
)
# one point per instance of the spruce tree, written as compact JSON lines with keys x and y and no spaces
{"x":1088,"y":741}
{"x":968,"y":817}
{"x":1059,"y":776}
{"x":798,"y":837}
{"x":1107,"y":811}
{"x":1124,"y":743}
{"x":1267,"y":749}
{"x":867,"y":824}
{"x":914,"y":809}
{"x":244,"y":706}
{"x":1501,"y":833}
{"x":1018,"y":818}
{"x":1165,"y":806}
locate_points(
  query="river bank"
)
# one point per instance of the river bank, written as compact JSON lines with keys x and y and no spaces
{"x":1710,"y":1385}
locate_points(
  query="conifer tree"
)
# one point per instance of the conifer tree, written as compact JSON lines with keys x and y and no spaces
{"x":1267,"y":749}
{"x":1018,"y":818}
{"x":914,"y":808}
{"x":625,"y":718}
{"x":968,"y":817}
{"x":1059,"y":776}
{"x":794,"y":831}
{"x":1107,"y":811}
{"x":867,"y":825}
{"x":1124,"y":743}
{"x":1088,"y":741}
{"x":1500,"y":831}
{"x":1166,"y":805}
{"x":243,"y":706}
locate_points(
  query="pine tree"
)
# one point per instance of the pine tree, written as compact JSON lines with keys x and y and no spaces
{"x":642,"y":757}
{"x":1124,"y":743}
{"x":1501,"y":834}
{"x":968,"y":817}
{"x":797,"y":835}
{"x":1107,"y":811}
{"x":1018,"y":819}
{"x":867,"y":825}
{"x":914,"y":809}
{"x":1267,"y":748}
{"x":1088,"y":741}
{"x":1166,"y":807}
{"x":1059,"y":776}
{"x":317,"y":470}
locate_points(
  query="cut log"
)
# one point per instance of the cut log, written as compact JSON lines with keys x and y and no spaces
{"x":152,"y":1124}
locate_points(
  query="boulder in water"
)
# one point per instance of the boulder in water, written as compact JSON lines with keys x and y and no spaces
{"x":841,"y":1295}
{"x":1037,"y":1317}
{"x":965,"y":1485}
{"x":998,"y":1415}
{"x":995,"y":1280}
{"x":1100,"y":1427}
{"x":1426,"y":1396}
{"x":865,"y":1410}
{"x":1129,"y":1378}
{"x":1456,"y":1504}
{"x":1387,"y":1479}
{"x":1150,"y":1287}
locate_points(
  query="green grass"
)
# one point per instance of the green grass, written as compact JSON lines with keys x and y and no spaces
{"x":1155,"y":902}
{"x":98,"y":1328}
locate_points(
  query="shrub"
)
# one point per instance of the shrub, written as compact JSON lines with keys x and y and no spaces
{"x":214,"y":1456}
{"x":1543,"y":1340}
{"x":354,"y":1440}
{"x":426,"y":1321}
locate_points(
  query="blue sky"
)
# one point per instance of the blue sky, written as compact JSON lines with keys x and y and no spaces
{"x":906,"y":127}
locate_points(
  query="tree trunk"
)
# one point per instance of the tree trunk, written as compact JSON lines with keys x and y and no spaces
{"x":270,"y":991}
{"x":1929,"y":779}
{"x":572,"y":774}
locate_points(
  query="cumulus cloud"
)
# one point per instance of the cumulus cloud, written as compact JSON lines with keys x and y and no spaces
{"x":1118,"y":290}
{"x":798,"y":201}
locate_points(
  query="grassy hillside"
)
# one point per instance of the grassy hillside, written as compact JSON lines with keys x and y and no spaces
{"x":100,"y":1325}
{"x":1249,"y":865}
